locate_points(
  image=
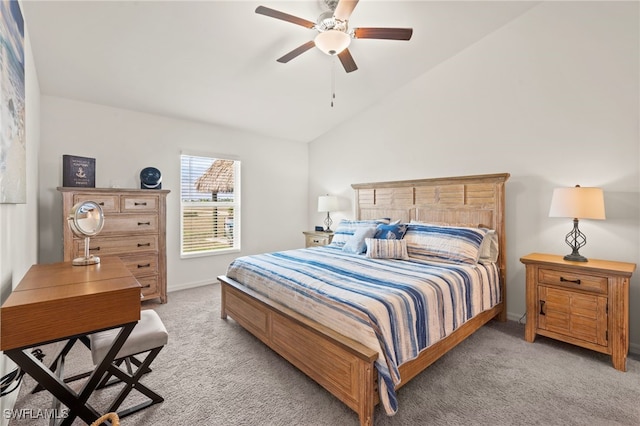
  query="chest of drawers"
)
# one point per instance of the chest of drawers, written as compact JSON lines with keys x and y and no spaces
{"x":582,"y":303}
{"x":134,"y":230}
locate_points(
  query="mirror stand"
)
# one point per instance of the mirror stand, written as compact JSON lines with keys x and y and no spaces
{"x":88,"y":259}
{"x":86,"y":220}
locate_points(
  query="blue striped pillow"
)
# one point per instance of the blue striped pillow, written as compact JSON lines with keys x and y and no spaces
{"x":444,"y":243}
{"x":346,"y":228}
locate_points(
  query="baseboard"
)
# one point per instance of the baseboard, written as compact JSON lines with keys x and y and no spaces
{"x":186,"y":286}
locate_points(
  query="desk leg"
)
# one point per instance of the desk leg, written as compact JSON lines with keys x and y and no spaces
{"x":77,"y":403}
{"x":58,"y":361}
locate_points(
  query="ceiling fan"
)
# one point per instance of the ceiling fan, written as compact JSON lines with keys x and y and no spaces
{"x":334,"y":35}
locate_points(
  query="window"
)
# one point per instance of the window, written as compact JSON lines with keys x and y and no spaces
{"x":209,"y":205}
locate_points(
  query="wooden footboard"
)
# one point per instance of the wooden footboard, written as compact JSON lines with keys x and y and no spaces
{"x":341,"y":365}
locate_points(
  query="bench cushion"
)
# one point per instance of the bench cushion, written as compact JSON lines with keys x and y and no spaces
{"x":149,"y":333}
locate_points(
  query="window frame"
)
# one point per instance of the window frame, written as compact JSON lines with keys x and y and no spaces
{"x":235,"y":204}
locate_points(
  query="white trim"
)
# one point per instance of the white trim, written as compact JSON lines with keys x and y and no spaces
{"x":194,"y":284}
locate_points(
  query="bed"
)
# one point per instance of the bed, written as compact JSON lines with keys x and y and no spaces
{"x":345,"y":361}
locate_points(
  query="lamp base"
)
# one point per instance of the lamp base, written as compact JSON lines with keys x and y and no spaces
{"x":85,"y":261}
{"x":575,"y":258}
{"x":327,"y":223}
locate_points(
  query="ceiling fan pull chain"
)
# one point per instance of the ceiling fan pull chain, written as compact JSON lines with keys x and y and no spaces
{"x":333,"y":80}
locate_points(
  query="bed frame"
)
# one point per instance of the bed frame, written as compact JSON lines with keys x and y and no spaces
{"x":341,"y":365}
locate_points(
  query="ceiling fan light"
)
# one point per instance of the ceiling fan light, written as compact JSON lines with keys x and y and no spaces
{"x":332,"y":42}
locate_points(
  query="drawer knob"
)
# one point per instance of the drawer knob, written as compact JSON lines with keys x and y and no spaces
{"x":570,"y":281}
{"x":144,"y":223}
{"x":94,"y":248}
{"x":139,"y":204}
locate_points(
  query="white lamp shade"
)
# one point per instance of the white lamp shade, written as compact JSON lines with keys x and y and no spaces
{"x":577,"y":202}
{"x":327,"y":203}
{"x":332,"y":42}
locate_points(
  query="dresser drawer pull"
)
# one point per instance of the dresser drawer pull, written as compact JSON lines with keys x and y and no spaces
{"x":144,"y":223}
{"x":94,"y":248}
{"x":316,"y":241}
{"x":542,"y":308}
{"x":144,"y":245}
{"x":140,"y":204}
{"x":101,"y":203}
{"x":146,"y":286}
{"x":570,"y":281}
{"x":146,"y":265}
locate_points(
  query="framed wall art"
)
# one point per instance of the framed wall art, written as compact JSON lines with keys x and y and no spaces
{"x":13,"y":152}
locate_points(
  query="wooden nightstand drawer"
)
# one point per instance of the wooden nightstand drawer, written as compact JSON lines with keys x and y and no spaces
{"x":316,"y":239}
{"x":578,"y":315}
{"x":574,"y":280}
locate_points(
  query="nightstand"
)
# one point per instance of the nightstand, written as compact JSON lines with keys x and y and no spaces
{"x":582,"y":303}
{"x":317,"y":238}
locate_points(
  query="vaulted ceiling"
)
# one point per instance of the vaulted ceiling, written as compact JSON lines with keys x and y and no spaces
{"x":215,"y":61}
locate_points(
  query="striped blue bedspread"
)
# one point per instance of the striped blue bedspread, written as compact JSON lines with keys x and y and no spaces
{"x":396,"y":307}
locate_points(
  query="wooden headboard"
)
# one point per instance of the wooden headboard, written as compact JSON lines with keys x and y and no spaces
{"x":470,"y":200}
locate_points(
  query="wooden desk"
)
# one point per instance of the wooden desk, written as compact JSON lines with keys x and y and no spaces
{"x":60,"y":301}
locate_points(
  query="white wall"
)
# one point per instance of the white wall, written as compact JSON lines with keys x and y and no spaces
{"x":274,"y":177}
{"x":551,"y":98}
{"x":18,"y":222}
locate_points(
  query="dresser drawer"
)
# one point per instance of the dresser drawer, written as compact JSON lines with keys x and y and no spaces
{"x":100,"y":246}
{"x":573,"y":280}
{"x":109,"y":203}
{"x":142,"y":264}
{"x":126,"y":224}
{"x":149,"y":285}
{"x":137,"y":203}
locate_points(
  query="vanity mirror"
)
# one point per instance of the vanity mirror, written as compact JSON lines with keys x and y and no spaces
{"x":86,"y":220}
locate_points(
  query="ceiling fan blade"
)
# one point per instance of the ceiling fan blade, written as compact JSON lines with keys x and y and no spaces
{"x":297,"y":51}
{"x":347,"y":61}
{"x":344,"y":9}
{"x":384,"y":33}
{"x":284,"y":16}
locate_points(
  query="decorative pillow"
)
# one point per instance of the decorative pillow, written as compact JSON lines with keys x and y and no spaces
{"x":346,"y":229}
{"x":386,"y":249}
{"x":391,"y":232}
{"x":356,"y":243}
{"x":489,"y":247}
{"x":444,"y":243}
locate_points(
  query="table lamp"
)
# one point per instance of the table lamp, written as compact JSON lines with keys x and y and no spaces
{"x":327,"y":203}
{"x":578,"y":203}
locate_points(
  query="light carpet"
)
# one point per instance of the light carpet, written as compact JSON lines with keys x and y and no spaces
{"x":213,"y":372}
